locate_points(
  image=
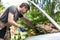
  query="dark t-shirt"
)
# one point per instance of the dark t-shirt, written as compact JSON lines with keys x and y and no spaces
{"x":4,"y":18}
{"x":14,"y":11}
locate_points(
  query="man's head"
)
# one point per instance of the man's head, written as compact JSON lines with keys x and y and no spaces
{"x":24,"y":7}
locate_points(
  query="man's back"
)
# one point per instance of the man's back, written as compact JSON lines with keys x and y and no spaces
{"x":4,"y":17}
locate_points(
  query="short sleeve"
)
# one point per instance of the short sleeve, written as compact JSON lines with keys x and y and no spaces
{"x":12,"y":9}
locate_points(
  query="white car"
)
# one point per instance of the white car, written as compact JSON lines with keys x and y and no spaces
{"x":53,"y":36}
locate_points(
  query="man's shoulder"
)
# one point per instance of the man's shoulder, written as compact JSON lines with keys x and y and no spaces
{"x":12,"y":6}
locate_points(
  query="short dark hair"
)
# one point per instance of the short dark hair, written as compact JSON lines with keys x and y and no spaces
{"x":26,"y":5}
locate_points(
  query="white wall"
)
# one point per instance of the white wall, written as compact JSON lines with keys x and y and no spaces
{"x":8,"y":3}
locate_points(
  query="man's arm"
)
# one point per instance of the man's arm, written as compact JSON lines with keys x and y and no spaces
{"x":11,"y":20}
{"x":27,"y":22}
{"x":30,"y":24}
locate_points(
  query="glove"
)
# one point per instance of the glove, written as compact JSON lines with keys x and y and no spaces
{"x":22,"y":29}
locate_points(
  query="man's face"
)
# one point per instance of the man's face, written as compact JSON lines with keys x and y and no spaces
{"x":24,"y":9}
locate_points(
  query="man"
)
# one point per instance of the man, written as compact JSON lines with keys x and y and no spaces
{"x":11,"y":15}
